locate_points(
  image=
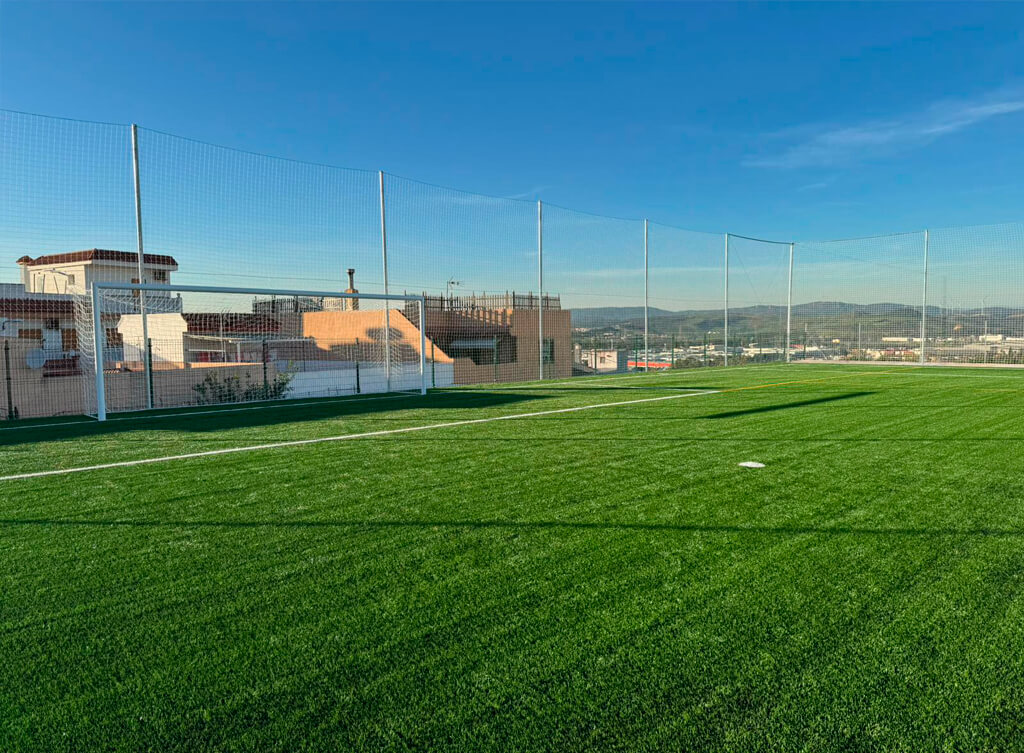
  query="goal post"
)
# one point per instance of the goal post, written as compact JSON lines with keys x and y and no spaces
{"x":191,"y":345}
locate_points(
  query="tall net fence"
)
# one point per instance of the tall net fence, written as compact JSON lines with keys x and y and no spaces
{"x":513,"y":290}
{"x":686,"y":316}
{"x":758,"y":292}
{"x":66,"y":199}
{"x":595,"y":265}
{"x":859,"y":299}
{"x":975,"y":304}
{"x":474,"y":260}
{"x":233,"y":218}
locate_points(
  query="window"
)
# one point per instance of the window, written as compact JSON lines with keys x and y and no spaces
{"x":68,"y":340}
{"x":549,"y":350}
{"x":30,"y":334}
{"x":114,"y":338}
{"x":160,"y":276}
{"x":53,"y":324}
{"x":135,"y":293}
{"x":483,"y":350}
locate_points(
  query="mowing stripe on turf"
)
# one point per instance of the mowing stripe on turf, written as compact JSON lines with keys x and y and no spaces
{"x":344,"y":437}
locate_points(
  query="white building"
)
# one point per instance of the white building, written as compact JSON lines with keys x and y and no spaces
{"x":166,"y":333}
{"x":605,"y":361}
{"x":75,"y":271}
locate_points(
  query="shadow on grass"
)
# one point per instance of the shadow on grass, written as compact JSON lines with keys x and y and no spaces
{"x":598,"y":387}
{"x":221,"y":418}
{"x":787,"y":406}
{"x":514,"y":525}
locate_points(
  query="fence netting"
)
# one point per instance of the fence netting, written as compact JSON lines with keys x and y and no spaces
{"x":757,"y":298}
{"x":859,"y":299}
{"x":513,"y":291}
{"x":686,"y":278}
{"x":595,"y":267}
{"x":975,"y":311}
{"x":474,"y":259}
{"x":66,"y":206}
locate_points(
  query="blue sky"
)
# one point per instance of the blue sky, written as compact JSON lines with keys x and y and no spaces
{"x":801,"y":121}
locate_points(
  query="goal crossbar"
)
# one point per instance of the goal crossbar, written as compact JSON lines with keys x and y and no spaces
{"x":97,"y":289}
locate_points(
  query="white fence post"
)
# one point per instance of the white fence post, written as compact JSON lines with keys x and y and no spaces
{"x":924,"y":297}
{"x":726,"y":334}
{"x":423,"y":345}
{"x":647,"y":352}
{"x":146,"y":366}
{"x":540,"y":285}
{"x":789,"y":303}
{"x":387,"y":304}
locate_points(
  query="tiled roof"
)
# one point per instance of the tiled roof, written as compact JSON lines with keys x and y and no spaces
{"x":99,"y":254}
{"x":16,"y":308}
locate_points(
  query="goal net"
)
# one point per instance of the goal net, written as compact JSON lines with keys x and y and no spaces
{"x":162,"y":346}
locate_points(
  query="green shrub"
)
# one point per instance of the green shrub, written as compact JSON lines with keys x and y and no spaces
{"x":216,"y":389}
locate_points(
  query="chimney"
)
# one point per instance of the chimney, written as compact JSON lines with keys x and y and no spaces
{"x":26,"y":277}
{"x":351,"y":304}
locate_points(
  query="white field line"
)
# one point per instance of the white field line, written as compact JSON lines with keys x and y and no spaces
{"x":345,"y":437}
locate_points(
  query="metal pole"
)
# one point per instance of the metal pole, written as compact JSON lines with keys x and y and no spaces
{"x":789,"y":302}
{"x":647,"y":352}
{"x":141,"y":263}
{"x":726,"y":334}
{"x":98,"y":341}
{"x":149,"y":364}
{"x":423,"y":347}
{"x":924,"y":296}
{"x":266,"y":357}
{"x":540,"y":284}
{"x":357,"y":367}
{"x":387,"y":305}
{"x":7,"y":372}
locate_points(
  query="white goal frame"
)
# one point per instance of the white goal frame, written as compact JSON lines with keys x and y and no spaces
{"x":97,"y":288}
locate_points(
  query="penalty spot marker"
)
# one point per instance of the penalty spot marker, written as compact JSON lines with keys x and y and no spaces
{"x":751,"y":464}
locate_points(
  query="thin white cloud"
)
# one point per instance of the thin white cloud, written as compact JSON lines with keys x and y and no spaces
{"x":823,"y":146}
{"x":816,"y":186}
{"x":533,"y":193}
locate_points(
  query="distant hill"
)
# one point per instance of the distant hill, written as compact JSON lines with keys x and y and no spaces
{"x":604,"y":316}
{"x":893,"y":318}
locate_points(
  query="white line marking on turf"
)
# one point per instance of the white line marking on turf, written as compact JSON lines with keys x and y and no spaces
{"x":345,"y":437}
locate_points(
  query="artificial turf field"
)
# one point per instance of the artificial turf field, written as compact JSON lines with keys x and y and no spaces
{"x":601,"y":579}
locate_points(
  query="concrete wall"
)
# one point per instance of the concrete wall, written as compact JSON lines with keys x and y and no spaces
{"x":523,"y":325}
{"x":339,"y":328}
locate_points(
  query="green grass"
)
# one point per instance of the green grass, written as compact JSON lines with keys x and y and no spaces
{"x":606,"y":579}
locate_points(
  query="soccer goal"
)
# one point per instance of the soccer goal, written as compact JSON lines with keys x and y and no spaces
{"x":148,"y":346}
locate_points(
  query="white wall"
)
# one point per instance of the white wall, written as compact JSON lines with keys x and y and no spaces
{"x":167,"y":332}
{"x":333,"y":382}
